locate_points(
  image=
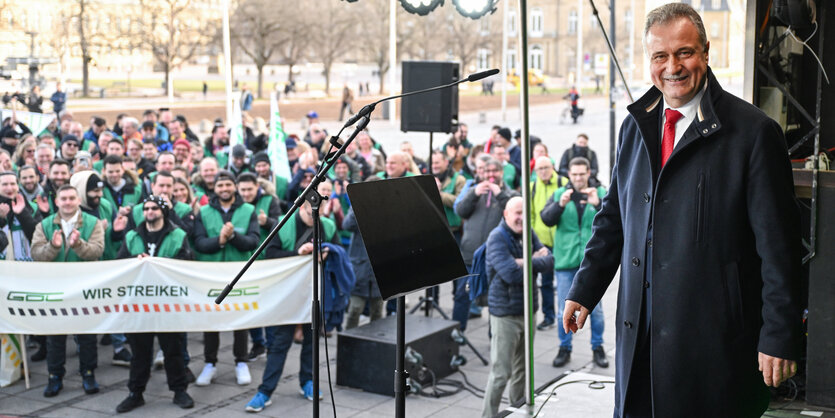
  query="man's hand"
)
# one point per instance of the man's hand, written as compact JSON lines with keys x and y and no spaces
{"x":541,"y":253}
{"x":4,"y":209}
{"x":566,"y":196}
{"x":481,"y":188}
{"x":141,"y":256}
{"x":438,"y":183}
{"x":262,"y":217}
{"x":125,"y":211}
{"x":494,"y":188}
{"x":120,"y":223}
{"x":569,"y":322}
{"x":592,"y":197}
{"x":43,"y":203}
{"x":776,"y":370}
{"x":18,"y":204}
{"x":306,"y":248}
{"x":57,"y":238}
{"x":74,"y":238}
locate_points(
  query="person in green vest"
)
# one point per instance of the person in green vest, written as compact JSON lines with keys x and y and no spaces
{"x":114,"y":147}
{"x":542,"y":188}
{"x":397,"y":165}
{"x":18,"y":220}
{"x":226,"y":229}
{"x":450,"y":184}
{"x":69,"y":235}
{"x":572,"y":208}
{"x":263,"y":167}
{"x":217,"y":145}
{"x":58,"y":176}
{"x":203,"y":182}
{"x":163,"y":187}
{"x":268,"y":210}
{"x":165,"y":162}
{"x":156,"y":236}
{"x":121,"y":187}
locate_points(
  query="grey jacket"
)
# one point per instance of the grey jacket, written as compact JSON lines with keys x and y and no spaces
{"x":480,"y":219}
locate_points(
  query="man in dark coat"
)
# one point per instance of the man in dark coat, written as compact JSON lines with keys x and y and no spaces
{"x":706,"y":232}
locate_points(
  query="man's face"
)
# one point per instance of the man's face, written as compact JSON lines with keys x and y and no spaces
{"x":395,"y":166}
{"x":513,"y":214}
{"x":29,"y":179}
{"x":8,"y":186}
{"x":262,"y":168}
{"x":341,"y":171}
{"x":407,"y":148}
{"x":579,"y":176}
{"x":129,"y":165}
{"x":76,"y":129}
{"x":59,"y":175}
{"x":150,"y":117}
{"x":134,"y":151}
{"x":165,"y":117}
{"x":115,"y":148}
{"x":678,"y":62}
{"x":94,"y":197}
{"x":180,"y":192}
{"x":248,"y":190}
{"x":165,"y":162}
{"x":306,"y":179}
{"x":479,"y":169}
{"x":65,"y":126}
{"x":500,"y":153}
{"x":225,"y":190}
{"x":113,"y":173}
{"x":67,"y":202}
{"x":175,"y":128}
{"x":152,"y":212}
{"x":317,"y":134}
{"x":238,"y":162}
{"x":582,"y":141}
{"x":163,"y":186}
{"x":493,"y":173}
{"x":149,"y":132}
{"x":128,"y":129}
{"x":196,"y":153}
{"x":97,"y":130}
{"x":49,"y":140}
{"x":208,"y":170}
{"x":5,"y":162}
{"x":325,"y":188}
{"x":544,"y":169}
{"x":439,"y":163}
{"x":292,"y":155}
{"x":69,"y":149}
{"x":539,"y":151}
{"x":463,"y":131}
{"x":181,"y":153}
{"x":220,"y":137}
{"x":149,"y":151}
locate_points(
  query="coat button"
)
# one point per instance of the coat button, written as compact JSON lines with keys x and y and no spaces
{"x":649,"y":243}
{"x":636,"y":262}
{"x":704,"y":131}
{"x":713,"y":126}
{"x":646,"y":284}
{"x":627,"y":324}
{"x":646,"y":197}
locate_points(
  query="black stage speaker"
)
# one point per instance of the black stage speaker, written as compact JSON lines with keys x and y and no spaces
{"x":436,"y":111}
{"x":365,"y":355}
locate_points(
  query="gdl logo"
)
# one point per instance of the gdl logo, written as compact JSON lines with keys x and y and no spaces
{"x":243,"y":291}
{"x":18,"y":296}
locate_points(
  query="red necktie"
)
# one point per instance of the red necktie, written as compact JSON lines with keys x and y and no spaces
{"x":671,"y":117}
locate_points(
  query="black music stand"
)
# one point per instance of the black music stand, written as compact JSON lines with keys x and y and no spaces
{"x":410,"y":247}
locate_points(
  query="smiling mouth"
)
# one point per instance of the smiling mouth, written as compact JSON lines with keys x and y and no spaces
{"x":675,"y":78}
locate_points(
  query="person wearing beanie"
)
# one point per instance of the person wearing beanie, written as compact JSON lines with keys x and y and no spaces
{"x":238,"y":164}
{"x":69,"y":147}
{"x":226,"y":229}
{"x":262,"y":165}
{"x":513,"y":150}
{"x":156,"y":236}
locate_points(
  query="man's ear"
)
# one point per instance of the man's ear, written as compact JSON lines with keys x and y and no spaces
{"x":707,"y":51}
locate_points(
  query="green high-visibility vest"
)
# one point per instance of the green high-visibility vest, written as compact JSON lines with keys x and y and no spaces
{"x":213,"y":222}
{"x":169,"y":247}
{"x":452,"y":217}
{"x":88,"y":223}
{"x":287,"y":234}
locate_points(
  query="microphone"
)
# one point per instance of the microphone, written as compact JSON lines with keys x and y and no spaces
{"x":483,"y":74}
{"x":367,"y":109}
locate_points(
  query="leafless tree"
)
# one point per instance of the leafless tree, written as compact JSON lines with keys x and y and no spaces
{"x":424,"y":37}
{"x":170,"y":33}
{"x":335,"y":34}
{"x":294,"y":35}
{"x":465,"y":37}
{"x":255,"y":32}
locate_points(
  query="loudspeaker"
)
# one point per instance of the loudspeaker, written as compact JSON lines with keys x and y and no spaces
{"x":365,"y":357}
{"x":436,"y":111}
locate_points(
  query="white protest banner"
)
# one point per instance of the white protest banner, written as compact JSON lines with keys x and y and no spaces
{"x":152,"y":295}
{"x":276,"y":148}
{"x":36,"y":122}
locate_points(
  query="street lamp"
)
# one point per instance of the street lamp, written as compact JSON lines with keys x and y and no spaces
{"x":420,"y":7}
{"x":475,"y":9}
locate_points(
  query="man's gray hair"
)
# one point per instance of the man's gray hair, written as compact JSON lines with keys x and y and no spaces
{"x":674,"y":11}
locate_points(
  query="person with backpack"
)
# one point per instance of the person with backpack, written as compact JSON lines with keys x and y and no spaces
{"x":505,"y":264}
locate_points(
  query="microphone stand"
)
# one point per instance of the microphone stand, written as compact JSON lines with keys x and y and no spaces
{"x":311,"y":194}
{"x":611,"y":49}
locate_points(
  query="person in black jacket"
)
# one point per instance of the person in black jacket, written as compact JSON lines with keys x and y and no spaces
{"x":156,"y":236}
{"x":505,"y":301}
{"x":365,"y":289}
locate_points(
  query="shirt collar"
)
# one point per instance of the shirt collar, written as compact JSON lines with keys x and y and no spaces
{"x":689,"y":109}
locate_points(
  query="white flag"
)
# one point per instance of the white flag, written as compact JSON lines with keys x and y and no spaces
{"x":36,"y":122}
{"x":276,"y":148}
{"x":236,"y":136}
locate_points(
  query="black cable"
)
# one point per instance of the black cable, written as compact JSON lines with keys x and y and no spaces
{"x":794,"y":392}
{"x":467,"y":382}
{"x":592,"y":384}
{"x":322,"y":320}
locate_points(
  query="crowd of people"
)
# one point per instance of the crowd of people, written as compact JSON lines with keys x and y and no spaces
{"x":151,"y":187}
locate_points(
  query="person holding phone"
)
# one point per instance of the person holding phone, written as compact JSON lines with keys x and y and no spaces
{"x":571,"y":209}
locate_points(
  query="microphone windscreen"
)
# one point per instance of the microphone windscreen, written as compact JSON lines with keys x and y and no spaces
{"x":483,"y":74}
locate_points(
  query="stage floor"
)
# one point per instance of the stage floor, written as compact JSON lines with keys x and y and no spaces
{"x":576,"y":394}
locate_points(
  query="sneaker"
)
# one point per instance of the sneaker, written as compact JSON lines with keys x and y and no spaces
{"x":122,"y":357}
{"x":307,"y":391}
{"x":159,"y":360}
{"x":133,"y":401}
{"x":562,"y":357}
{"x":190,"y":376}
{"x":39,"y":355}
{"x":600,"y":357}
{"x":258,"y":402}
{"x":257,"y":351}
{"x":242,"y":374}
{"x":545,"y":324}
{"x":88,"y":382}
{"x":206,"y":375}
{"x":106,"y":340}
{"x":183,"y":400}
{"x":53,"y":386}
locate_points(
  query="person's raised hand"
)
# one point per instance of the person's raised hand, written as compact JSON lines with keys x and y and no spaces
{"x":43,"y":203}
{"x":306,"y":248}
{"x":570,"y":323}
{"x":566,"y":196}
{"x":262,"y":217}
{"x":18,"y":204}
{"x":74,"y":238}
{"x":57,"y":238}
{"x":4,"y":209}
{"x":120,"y":223}
{"x":592,"y":197}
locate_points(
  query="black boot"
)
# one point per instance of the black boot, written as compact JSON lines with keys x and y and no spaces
{"x":182,"y":399}
{"x":562,"y":358}
{"x":600,"y":357}
{"x":133,"y":401}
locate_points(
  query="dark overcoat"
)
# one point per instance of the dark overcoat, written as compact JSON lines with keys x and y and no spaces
{"x":719,"y":224}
